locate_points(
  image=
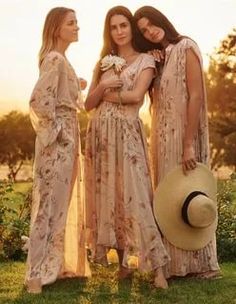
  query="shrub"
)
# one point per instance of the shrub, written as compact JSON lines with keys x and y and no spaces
{"x":14,"y":222}
{"x":226,"y":231}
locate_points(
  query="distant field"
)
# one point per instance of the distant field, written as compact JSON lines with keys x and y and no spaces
{"x":25,"y":172}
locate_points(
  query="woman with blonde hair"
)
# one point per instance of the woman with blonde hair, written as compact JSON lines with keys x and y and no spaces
{"x":56,"y":247}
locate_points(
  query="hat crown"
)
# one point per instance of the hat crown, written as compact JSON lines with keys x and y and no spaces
{"x":201,"y":211}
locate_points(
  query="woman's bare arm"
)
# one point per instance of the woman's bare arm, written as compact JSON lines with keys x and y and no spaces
{"x":96,"y":91}
{"x":137,"y":94}
{"x":195,"y":101}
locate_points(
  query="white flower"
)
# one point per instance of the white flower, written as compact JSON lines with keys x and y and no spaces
{"x":111,"y":61}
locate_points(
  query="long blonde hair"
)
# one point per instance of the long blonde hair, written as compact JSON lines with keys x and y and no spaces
{"x":51,"y":29}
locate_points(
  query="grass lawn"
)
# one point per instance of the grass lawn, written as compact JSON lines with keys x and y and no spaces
{"x":103,"y":288}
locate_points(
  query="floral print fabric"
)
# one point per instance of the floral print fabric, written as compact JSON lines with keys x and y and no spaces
{"x":56,"y":246}
{"x":117,"y":180}
{"x":169,"y":118}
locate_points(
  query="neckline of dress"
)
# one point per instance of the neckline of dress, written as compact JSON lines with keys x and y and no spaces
{"x":128,"y":65}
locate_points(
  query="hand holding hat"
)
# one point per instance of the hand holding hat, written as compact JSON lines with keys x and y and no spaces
{"x":185,"y":207}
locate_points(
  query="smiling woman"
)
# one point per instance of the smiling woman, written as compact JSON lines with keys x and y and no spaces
{"x":58,"y":36}
{"x":53,"y":113}
{"x":179,"y":131}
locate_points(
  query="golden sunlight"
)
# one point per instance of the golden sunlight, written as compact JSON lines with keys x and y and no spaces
{"x":207,"y":22}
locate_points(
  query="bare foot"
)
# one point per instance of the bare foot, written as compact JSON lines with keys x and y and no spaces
{"x":34,"y":286}
{"x":160,"y":281}
{"x":209,"y":275}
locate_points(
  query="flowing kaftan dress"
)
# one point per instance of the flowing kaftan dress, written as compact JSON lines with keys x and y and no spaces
{"x":169,"y":119}
{"x":56,"y":243}
{"x":117,"y":180}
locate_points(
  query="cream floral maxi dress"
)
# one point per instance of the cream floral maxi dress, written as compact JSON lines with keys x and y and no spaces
{"x":56,"y":246}
{"x":118,"y":183}
{"x":169,"y":118}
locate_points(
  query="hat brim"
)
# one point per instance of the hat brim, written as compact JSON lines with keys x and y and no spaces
{"x":168,"y":200}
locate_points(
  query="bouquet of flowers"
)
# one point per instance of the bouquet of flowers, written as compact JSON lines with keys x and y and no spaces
{"x":112,"y":61}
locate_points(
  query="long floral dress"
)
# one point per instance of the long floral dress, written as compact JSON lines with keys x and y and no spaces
{"x":117,"y":179}
{"x":56,"y":243}
{"x":169,"y":118}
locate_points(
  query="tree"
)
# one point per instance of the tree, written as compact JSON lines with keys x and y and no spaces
{"x":221,"y":90}
{"x":17,"y":141}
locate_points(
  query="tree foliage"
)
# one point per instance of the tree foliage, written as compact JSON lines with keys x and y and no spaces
{"x":17,"y":141}
{"x":221,"y":89}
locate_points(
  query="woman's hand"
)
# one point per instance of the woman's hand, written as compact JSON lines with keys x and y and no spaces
{"x":189,"y":159}
{"x":113,"y":82}
{"x":157,"y":54}
{"x":83,"y":83}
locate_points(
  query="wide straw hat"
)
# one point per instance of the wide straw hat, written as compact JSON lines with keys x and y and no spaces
{"x":185,"y":207}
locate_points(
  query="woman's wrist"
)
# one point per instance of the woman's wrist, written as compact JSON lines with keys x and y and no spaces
{"x":102,"y":86}
{"x":120,"y":99}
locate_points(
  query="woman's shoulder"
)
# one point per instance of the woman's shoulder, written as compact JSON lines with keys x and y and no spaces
{"x":187,"y":42}
{"x":54,"y":59}
{"x":54,"y":55}
{"x":144,"y":57}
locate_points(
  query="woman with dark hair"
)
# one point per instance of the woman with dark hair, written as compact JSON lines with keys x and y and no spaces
{"x":179,"y":132}
{"x":118,"y":184}
{"x":56,"y":248}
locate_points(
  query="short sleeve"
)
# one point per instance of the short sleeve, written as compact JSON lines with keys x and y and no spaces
{"x":148,"y":62}
{"x":44,"y":99}
{"x":188,"y":43}
{"x":181,"y":53}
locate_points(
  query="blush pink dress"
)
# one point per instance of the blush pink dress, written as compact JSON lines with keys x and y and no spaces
{"x":56,"y":243}
{"x":169,"y":118}
{"x":118,"y":183}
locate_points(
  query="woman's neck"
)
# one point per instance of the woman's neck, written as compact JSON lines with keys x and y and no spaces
{"x":127,"y":52}
{"x":165,"y":43}
{"x":61,"y":47}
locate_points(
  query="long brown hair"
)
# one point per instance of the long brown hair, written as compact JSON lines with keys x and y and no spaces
{"x":109,"y":47}
{"x":160,"y":20}
{"x":51,"y":28}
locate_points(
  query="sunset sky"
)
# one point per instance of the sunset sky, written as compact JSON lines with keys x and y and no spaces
{"x":21,"y":23}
